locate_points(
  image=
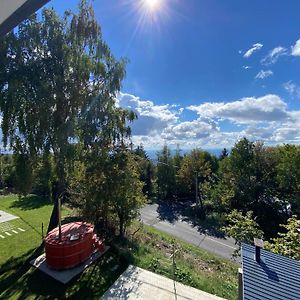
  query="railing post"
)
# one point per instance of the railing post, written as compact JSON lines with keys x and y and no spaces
{"x":240,"y":282}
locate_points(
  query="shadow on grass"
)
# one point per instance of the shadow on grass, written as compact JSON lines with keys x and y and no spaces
{"x":97,"y":279}
{"x":20,"y":280}
{"x":30,"y":202}
{"x":13,"y":273}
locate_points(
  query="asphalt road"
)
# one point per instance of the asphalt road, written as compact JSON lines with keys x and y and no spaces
{"x":171,"y":221}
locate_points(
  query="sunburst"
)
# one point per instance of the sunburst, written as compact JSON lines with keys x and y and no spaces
{"x":152,"y":5}
{"x":149,"y":15}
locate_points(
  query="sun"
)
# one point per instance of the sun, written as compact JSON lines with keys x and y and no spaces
{"x":152,"y":4}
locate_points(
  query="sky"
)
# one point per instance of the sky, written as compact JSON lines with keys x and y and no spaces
{"x":206,"y":73}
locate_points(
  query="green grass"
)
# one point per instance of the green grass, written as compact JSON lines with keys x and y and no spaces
{"x":152,"y":249}
{"x":32,"y":212}
{"x":147,"y":248}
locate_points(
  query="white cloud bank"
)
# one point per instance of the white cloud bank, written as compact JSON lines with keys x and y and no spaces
{"x":265,"y":118}
{"x":254,"y":48}
{"x":245,"y":111}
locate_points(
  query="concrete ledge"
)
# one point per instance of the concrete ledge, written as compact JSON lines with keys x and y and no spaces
{"x":136,"y":283}
{"x":66,"y":275}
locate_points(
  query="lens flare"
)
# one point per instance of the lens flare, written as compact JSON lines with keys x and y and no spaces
{"x":152,"y":4}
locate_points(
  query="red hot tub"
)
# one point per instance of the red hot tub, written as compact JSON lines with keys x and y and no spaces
{"x":78,"y":242}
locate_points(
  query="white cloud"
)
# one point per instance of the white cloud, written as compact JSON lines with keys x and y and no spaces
{"x":274,"y":55}
{"x":292,"y":88}
{"x":296,"y":49}
{"x":260,"y":133}
{"x":264,"y":118}
{"x":288,"y":131}
{"x":254,"y":48}
{"x":195,"y":129}
{"x":246,"y":67}
{"x":263,"y":74}
{"x":151,"y":117}
{"x":247,"y":110}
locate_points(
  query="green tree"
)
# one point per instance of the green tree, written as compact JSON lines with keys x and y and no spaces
{"x":7,"y":171}
{"x":180,"y":190}
{"x":107,"y":189}
{"x":243,"y":228}
{"x":24,"y":171}
{"x":57,"y":76}
{"x":146,"y":170}
{"x":126,"y":193}
{"x":249,"y":176}
{"x":288,"y":242}
{"x":288,"y":176}
{"x":43,"y":175}
{"x":197,"y":167}
{"x":165,"y":174}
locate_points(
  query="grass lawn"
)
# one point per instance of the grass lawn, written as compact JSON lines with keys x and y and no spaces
{"x":152,"y":249}
{"x":145,"y":247}
{"x":32,"y":212}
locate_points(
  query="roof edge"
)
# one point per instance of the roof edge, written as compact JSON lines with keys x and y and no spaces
{"x":23,"y":12}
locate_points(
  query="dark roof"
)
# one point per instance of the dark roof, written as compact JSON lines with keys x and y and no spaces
{"x":19,"y":14}
{"x":275,"y":277}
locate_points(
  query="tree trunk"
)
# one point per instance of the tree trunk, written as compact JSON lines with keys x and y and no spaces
{"x":202,"y":211}
{"x":53,"y":222}
{"x":121,"y":226}
{"x":58,"y":190}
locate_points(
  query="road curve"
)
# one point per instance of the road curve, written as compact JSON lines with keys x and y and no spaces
{"x":185,"y":231}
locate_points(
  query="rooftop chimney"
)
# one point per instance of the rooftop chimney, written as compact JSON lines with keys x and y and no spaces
{"x":258,"y":245}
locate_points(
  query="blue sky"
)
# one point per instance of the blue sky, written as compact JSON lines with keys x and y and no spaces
{"x":206,"y":73}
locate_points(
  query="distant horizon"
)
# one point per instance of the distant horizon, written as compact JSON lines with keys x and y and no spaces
{"x":152,"y":153}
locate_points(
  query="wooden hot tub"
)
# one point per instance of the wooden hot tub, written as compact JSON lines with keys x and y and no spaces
{"x":77,"y":244}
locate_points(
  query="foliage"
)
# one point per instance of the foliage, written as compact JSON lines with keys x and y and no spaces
{"x":288,"y":176}
{"x":197,"y":168}
{"x":288,"y":242}
{"x":58,"y":80}
{"x":43,"y":176}
{"x":248,"y":178}
{"x":146,"y":171}
{"x":7,"y":171}
{"x":243,"y":228}
{"x":165,"y":174}
{"x":24,"y":173}
{"x":108,"y":190}
{"x":126,"y":189}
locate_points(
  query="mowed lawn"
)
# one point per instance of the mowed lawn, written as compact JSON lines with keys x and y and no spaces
{"x":145,"y":247}
{"x":32,"y":212}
